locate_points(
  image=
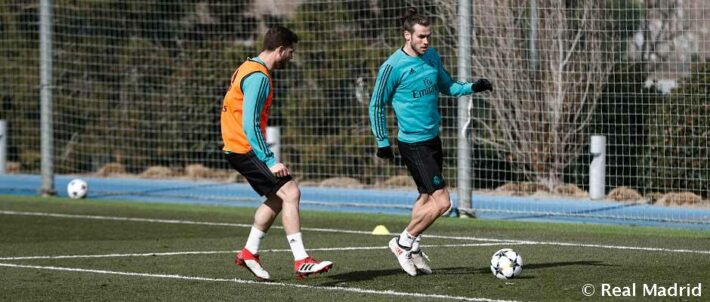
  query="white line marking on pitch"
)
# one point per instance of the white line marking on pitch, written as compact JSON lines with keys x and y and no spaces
{"x":173,"y":221}
{"x":355,"y":248}
{"x":181,"y":277}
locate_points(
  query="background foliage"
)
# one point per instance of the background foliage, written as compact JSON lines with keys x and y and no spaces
{"x":141,"y":82}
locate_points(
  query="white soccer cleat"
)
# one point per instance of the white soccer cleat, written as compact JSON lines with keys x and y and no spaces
{"x":419,"y":259}
{"x":251,"y":262}
{"x":404,"y":257}
{"x":309,"y":266}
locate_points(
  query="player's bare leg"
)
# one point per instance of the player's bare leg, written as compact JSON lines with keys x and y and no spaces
{"x":263,"y":219}
{"x":267,"y":212}
{"x":402,"y":245}
{"x":290,"y":216}
{"x":426,"y":210}
{"x":304,"y":265}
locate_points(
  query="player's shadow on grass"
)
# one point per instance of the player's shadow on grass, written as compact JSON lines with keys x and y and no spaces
{"x":533,"y":266}
{"x":361,"y":276}
{"x":369,"y":275}
{"x":336,"y":280}
{"x":565,"y":263}
{"x":372,"y":274}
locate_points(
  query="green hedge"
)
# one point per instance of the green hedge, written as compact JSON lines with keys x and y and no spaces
{"x":677,"y":155}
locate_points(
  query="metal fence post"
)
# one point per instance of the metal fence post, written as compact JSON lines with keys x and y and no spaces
{"x":45,"y":41}
{"x":463,"y":183}
{"x":3,"y":146}
{"x":596,"y":168}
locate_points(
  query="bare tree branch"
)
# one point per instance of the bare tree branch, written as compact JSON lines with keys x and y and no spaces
{"x":540,"y":111}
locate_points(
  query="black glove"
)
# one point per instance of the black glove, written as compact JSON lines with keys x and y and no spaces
{"x":482,"y":85}
{"x":385,"y":153}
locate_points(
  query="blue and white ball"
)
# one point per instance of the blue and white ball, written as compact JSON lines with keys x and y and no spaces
{"x":77,"y":188}
{"x":506,"y":264}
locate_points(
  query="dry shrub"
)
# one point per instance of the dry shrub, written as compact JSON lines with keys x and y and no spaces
{"x":532,"y":187}
{"x":523,"y":188}
{"x":509,"y":187}
{"x":625,"y":194}
{"x":235,"y":177}
{"x":158,"y":172}
{"x":680,"y":199}
{"x":12,"y":167}
{"x":400,"y":181}
{"x":111,"y":169}
{"x":340,"y":182}
{"x":307,"y":183}
{"x":653,"y":197}
{"x":223,"y":175}
{"x":195,"y":171}
{"x":569,"y":190}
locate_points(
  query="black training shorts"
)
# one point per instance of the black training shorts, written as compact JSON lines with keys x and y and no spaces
{"x":257,"y":173}
{"x":424,"y":161}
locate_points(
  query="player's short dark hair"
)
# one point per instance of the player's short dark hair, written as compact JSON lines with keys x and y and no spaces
{"x":278,"y":35}
{"x":412,"y":17}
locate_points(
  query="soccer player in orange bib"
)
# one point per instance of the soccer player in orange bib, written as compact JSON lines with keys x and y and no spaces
{"x":244,"y":116}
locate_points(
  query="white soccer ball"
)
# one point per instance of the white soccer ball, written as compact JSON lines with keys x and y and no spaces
{"x":506,"y":264}
{"x":77,"y":188}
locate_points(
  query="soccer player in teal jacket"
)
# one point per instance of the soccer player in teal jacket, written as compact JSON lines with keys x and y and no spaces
{"x":411,"y":80}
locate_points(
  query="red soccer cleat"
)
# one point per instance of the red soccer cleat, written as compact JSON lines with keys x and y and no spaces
{"x":309,"y":266}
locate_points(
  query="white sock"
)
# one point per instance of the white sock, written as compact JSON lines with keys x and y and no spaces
{"x":416,"y":243}
{"x":296,"y":243}
{"x":406,"y":239}
{"x":254,"y":240}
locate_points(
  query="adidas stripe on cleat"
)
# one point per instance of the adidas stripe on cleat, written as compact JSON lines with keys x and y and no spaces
{"x":309,"y":266}
{"x":251,"y":262}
